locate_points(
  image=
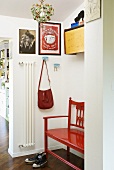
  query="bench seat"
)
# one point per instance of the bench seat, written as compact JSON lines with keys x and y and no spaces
{"x":73,"y":138}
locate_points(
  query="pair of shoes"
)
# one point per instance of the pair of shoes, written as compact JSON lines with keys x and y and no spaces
{"x":41,"y":161}
{"x":33,"y":159}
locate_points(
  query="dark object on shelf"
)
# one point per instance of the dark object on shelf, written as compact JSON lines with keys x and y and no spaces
{"x":73,"y":25}
{"x":45,"y":97}
{"x":80,"y":16}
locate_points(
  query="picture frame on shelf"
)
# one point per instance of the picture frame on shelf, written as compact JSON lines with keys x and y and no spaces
{"x":27,"y":41}
{"x":49,"y":38}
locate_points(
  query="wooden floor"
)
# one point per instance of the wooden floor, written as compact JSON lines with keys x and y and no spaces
{"x":9,"y":163}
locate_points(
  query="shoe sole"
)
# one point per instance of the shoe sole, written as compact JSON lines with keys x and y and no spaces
{"x":39,"y":166}
{"x":30,"y":163}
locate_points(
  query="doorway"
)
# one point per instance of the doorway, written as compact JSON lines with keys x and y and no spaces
{"x":4,"y":79}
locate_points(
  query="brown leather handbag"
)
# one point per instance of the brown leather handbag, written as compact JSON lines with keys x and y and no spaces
{"x":45,"y":97}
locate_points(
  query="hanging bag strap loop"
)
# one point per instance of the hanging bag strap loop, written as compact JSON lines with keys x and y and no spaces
{"x":44,"y":62}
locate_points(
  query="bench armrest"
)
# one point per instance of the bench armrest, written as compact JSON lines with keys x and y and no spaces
{"x":50,"y":117}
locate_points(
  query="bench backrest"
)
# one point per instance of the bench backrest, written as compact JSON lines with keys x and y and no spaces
{"x":79,"y":114}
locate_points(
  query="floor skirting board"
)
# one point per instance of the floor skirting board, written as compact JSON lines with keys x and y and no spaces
{"x":24,"y":152}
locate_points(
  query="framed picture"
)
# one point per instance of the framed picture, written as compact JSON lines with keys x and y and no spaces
{"x":27,"y":41}
{"x":92,"y":9}
{"x":49,"y":38}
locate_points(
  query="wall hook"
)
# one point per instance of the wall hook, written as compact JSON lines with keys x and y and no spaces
{"x":56,"y":66}
{"x":45,"y":58}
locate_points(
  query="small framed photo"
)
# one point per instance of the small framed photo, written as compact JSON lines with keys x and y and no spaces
{"x":92,"y":10}
{"x":49,"y":38}
{"x":27,"y":41}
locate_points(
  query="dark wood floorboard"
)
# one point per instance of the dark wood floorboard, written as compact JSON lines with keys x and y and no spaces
{"x":9,"y":163}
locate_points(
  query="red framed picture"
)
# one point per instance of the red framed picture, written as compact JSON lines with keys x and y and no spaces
{"x":49,"y":38}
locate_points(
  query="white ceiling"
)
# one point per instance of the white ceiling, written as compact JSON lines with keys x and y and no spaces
{"x":20,"y":8}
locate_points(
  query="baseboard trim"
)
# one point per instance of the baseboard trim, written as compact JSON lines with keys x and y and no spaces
{"x":30,"y":152}
{"x":34,"y":151}
{"x":23,"y":153}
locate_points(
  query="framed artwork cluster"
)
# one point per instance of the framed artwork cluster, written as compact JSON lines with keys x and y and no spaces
{"x":49,"y":40}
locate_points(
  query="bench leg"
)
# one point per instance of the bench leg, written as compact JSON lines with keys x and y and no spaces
{"x":45,"y":144}
{"x":68,"y":151}
{"x":45,"y":137}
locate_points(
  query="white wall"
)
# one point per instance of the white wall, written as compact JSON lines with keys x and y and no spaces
{"x":98,"y":87}
{"x":67,"y":81}
{"x":91,"y":64}
{"x":73,"y":71}
{"x":108,"y":85}
{"x":73,"y":68}
{"x":10,"y":29}
{"x":99,"y":90}
{"x":93,"y":88}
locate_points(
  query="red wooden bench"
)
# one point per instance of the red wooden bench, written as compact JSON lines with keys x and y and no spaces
{"x":71,"y":137}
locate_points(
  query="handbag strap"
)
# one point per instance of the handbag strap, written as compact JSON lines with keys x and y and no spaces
{"x":44,"y":62}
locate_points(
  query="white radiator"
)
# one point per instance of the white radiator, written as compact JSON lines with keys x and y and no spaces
{"x":29,"y":125}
